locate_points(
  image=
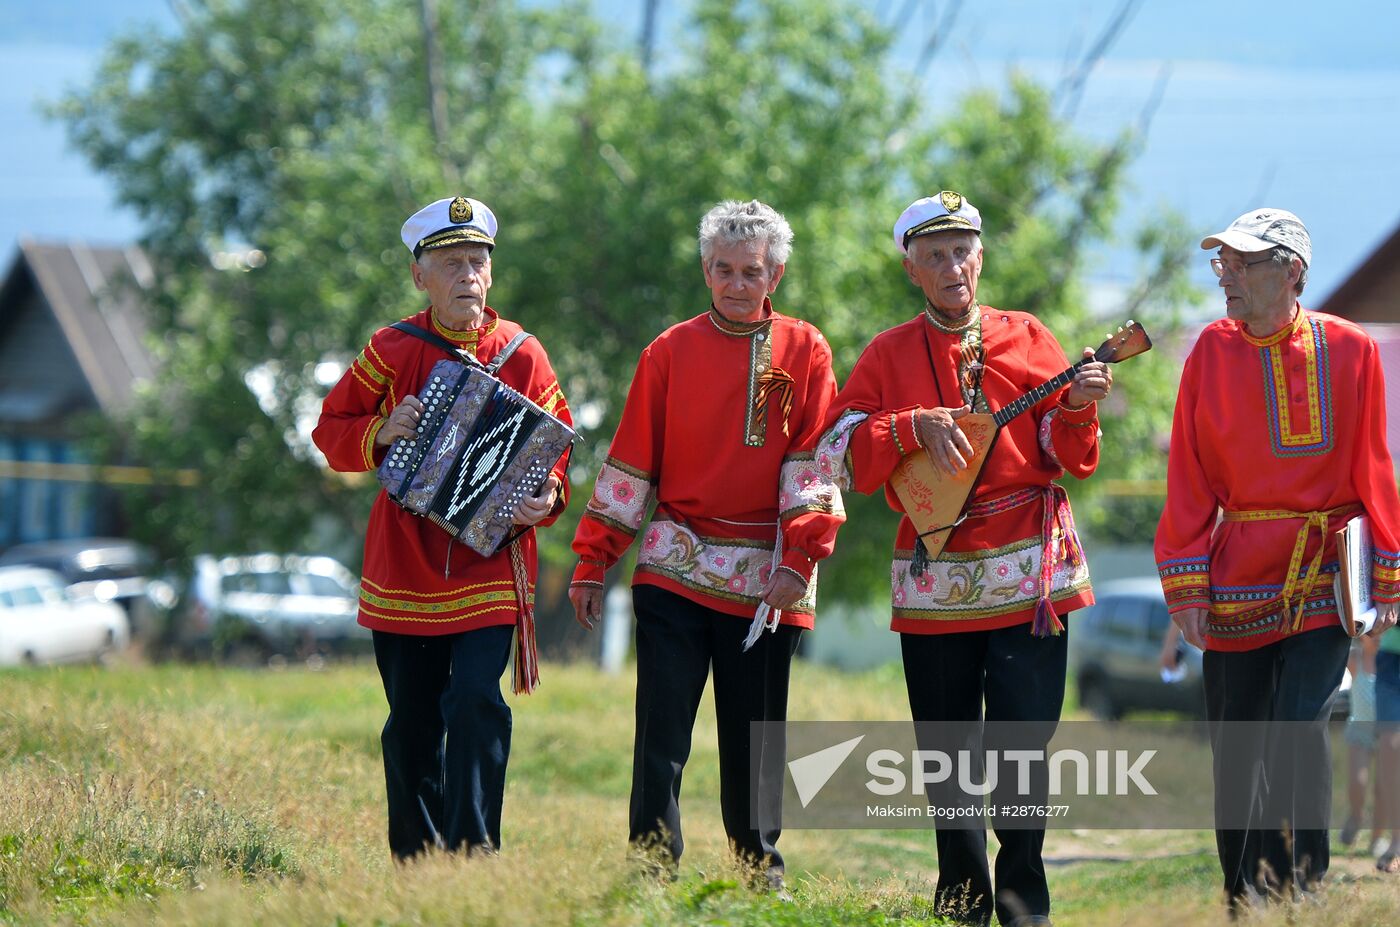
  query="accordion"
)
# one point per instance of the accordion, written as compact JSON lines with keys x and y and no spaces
{"x":480,"y":448}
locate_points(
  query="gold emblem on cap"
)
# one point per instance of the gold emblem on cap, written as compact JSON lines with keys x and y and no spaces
{"x":951,"y":201}
{"x":460,"y":210}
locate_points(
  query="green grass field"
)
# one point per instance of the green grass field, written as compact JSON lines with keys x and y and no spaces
{"x":196,"y":795}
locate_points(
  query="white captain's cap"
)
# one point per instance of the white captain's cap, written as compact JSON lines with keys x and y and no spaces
{"x":1263,"y":230}
{"x":945,"y":212}
{"x":456,"y":220}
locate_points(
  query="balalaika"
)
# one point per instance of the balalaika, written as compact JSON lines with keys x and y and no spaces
{"x":935,"y":501}
{"x":480,"y":448}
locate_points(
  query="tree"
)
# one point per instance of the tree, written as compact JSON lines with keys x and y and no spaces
{"x":309,"y":133}
{"x":297,"y":130}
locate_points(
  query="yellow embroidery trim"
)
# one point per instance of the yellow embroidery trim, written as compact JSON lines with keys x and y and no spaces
{"x":1296,"y":587}
{"x":468,"y":339}
{"x":368,"y":445}
{"x":436,"y":595}
{"x":438,"y":608}
{"x":1182,"y":581}
{"x":511,"y":608}
{"x":1278,"y":337}
{"x":355,"y":369}
{"x":551,"y":398}
{"x":362,"y":363}
{"x":379,"y":359}
{"x":1287,"y":436}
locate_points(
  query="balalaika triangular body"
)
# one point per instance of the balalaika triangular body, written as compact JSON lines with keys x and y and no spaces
{"x":934,"y":500}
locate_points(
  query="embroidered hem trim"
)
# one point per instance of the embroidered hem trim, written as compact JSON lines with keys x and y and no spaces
{"x":734,"y":569}
{"x":982,"y":584}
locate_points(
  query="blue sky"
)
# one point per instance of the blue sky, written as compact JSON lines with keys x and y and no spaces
{"x":1287,"y":104}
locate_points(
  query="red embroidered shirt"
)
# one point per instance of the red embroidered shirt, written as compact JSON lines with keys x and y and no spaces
{"x":718,"y":429}
{"x":1293,"y":422}
{"x":987,"y":576}
{"x":413,"y":583}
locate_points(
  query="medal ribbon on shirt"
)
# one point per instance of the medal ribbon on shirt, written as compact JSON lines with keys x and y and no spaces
{"x":765,"y":380}
{"x":972,"y":356}
{"x":774,"y":381}
{"x":971,"y":366}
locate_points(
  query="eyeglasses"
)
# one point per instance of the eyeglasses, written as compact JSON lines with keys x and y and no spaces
{"x":1236,"y":270}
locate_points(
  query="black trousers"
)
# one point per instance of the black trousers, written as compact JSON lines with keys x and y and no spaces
{"x":447,"y":738}
{"x":677,"y":643}
{"x":1019,"y":678}
{"x":1268,"y":711}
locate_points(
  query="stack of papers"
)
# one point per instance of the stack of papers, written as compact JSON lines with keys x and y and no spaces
{"x":1353,"y":582}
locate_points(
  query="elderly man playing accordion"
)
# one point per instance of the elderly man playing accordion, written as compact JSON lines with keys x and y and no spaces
{"x":442,"y":615}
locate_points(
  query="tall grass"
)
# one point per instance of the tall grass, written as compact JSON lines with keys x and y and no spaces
{"x":194,"y":795}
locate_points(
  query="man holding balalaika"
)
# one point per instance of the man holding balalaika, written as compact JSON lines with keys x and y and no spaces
{"x":980,"y":609}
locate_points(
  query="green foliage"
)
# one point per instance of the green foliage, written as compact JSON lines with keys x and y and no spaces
{"x":303,"y":130}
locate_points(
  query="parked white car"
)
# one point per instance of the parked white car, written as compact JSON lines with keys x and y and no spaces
{"x":41,"y":622}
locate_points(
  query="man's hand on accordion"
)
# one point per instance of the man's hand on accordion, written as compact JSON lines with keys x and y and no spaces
{"x":401,"y":423}
{"x":533,"y":509}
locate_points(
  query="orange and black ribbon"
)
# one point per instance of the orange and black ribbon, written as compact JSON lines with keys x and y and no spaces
{"x":773,"y":381}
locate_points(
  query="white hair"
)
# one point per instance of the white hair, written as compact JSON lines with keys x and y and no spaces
{"x":732,"y":222}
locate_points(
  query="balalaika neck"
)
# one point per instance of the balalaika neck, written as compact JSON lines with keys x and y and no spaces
{"x":1008,"y":412}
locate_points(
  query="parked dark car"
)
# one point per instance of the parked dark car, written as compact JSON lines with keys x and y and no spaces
{"x":1115,"y":655}
{"x":106,"y":569}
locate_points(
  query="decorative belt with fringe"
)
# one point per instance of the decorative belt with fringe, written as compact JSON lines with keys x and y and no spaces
{"x":1296,"y":589}
{"x":1059,"y":543}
